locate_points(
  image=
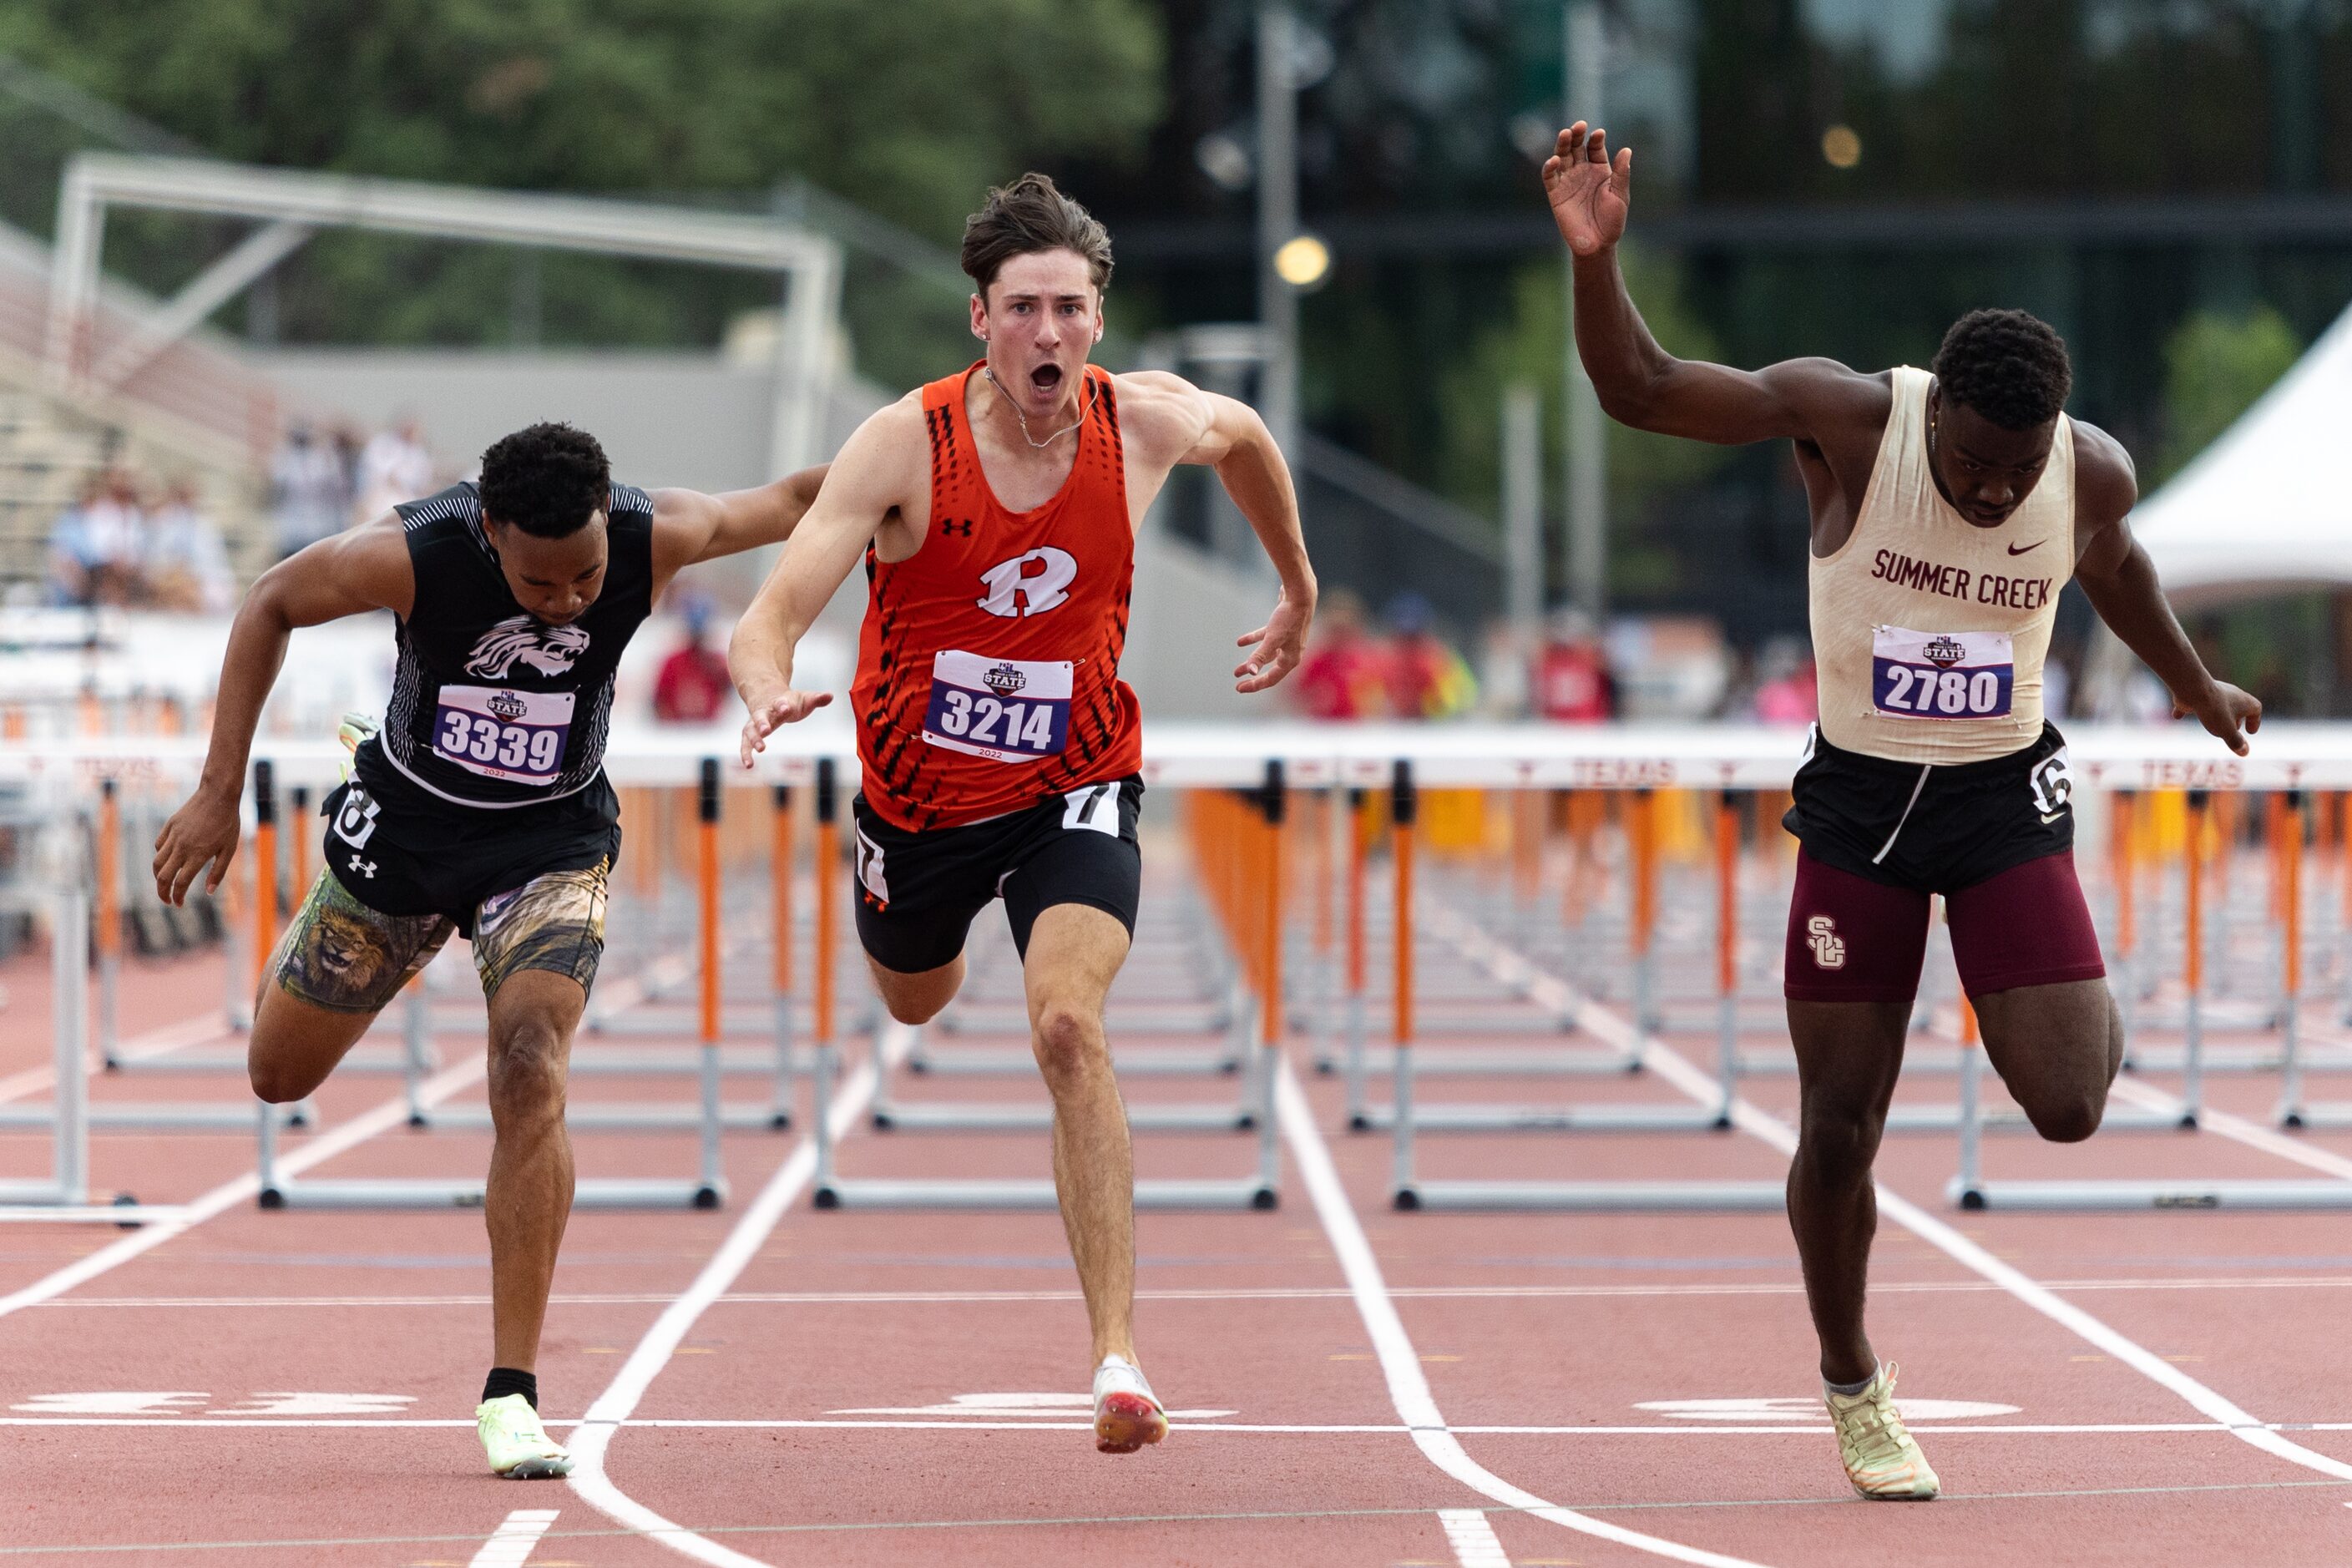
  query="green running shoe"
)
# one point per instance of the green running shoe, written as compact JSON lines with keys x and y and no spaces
{"x":518,"y":1447}
{"x":354,"y":729}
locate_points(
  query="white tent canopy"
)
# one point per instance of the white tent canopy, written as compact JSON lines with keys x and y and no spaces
{"x":2268,"y":506}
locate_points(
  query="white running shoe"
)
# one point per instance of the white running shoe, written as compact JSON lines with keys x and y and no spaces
{"x":1881,"y":1459}
{"x":1127,"y":1412}
{"x":518,"y":1447}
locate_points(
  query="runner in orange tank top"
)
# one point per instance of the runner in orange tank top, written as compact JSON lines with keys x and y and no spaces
{"x":996,"y":510}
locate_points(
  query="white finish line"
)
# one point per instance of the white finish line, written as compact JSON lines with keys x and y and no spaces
{"x":511,"y":1545}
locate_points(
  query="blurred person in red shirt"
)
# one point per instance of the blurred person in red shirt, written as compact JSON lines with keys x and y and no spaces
{"x":1785,"y":688}
{"x":693,"y":684}
{"x":1345,"y":675}
{"x":1573,"y":685}
{"x":1427,"y":680}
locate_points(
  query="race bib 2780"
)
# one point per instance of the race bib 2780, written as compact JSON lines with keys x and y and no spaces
{"x":501,"y":733}
{"x":1008,"y":710}
{"x":1942,"y":675}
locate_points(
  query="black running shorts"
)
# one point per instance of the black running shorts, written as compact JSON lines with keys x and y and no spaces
{"x":919,"y":892}
{"x":1933,"y":828}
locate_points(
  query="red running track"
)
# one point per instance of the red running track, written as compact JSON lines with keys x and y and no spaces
{"x":877,"y":1388}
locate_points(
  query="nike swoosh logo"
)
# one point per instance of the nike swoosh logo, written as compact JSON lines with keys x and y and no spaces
{"x":2052,"y":816}
{"x":2037,"y":545}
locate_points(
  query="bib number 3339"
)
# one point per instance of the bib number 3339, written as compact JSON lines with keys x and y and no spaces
{"x":1942,"y":675}
{"x":503,"y":734}
{"x":1008,"y":710}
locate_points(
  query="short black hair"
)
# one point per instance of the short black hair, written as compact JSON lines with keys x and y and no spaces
{"x":546,"y":480}
{"x":2008,"y":365}
{"x":1025,"y":218}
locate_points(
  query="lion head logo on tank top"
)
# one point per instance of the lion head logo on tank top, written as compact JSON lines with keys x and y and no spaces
{"x":524,"y":639}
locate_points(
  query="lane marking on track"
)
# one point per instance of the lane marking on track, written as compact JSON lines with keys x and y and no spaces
{"x":1261,"y":1429}
{"x":2238,"y":1130}
{"x":509,"y":1546}
{"x":1508,"y":965}
{"x":1254,"y":1515}
{"x":1402,"y":1292}
{"x":592,"y":1438}
{"x":1473,"y":1538}
{"x":155,"y":1042}
{"x":1409,"y":1389}
{"x":316,"y":1151}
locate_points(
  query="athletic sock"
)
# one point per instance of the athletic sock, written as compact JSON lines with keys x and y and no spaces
{"x":506,"y":1380}
{"x":1845,"y":1390}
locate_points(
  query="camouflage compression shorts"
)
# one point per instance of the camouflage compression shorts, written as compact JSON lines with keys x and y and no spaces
{"x":342,"y":955}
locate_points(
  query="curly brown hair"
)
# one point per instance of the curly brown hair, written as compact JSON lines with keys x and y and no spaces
{"x":1026,"y":217}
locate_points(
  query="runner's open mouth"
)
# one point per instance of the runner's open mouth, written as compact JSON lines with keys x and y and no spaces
{"x":1046,"y":377}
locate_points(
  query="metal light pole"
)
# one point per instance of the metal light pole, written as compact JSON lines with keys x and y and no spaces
{"x":1277,"y":220}
{"x":1523,"y":581}
{"x":1587,"y":476}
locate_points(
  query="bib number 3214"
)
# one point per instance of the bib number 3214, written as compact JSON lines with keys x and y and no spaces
{"x":1009,"y":711}
{"x":1942,"y":675}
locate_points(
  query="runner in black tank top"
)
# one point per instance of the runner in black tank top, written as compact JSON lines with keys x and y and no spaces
{"x":481,"y":808}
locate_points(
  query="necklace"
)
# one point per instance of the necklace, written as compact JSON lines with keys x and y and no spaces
{"x":1035,"y":443}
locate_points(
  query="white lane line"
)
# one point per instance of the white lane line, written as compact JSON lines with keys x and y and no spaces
{"x":155,"y":1042}
{"x":2238,"y":1130}
{"x":594,"y":1435}
{"x":1473,"y":1538}
{"x":1680,"y":1071}
{"x":509,"y":1546}
{"x":699,"y":1424}
{"x":383,"y":1117}
{"x":1409,"y":1389}
{"x":1269,"y":1293}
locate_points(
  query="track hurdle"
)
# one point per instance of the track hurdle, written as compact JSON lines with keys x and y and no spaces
{"x":706,"y":1190}
{"x":65,"y":1194}
{"x":1413,"y":1191}
{"x":1244,"y":884}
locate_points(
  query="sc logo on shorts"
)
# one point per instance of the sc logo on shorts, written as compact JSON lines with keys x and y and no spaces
{"x":1038,"y":591}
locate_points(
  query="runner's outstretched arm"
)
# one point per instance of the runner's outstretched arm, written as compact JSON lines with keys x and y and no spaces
{"x":863,"y":486}
{"x":1228,"y":435}
{"x":349,"y":574}
{"x":2120,"y":581}
{"x":1642,"y":385}
{"x":690,"y":526}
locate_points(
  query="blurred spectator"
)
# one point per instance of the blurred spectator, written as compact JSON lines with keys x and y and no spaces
{"x":182,"y":559}
{"x":1345,"y":674}
{"x":309,"y":493}
{"x":1572,"y":681}
{"x":693,"y":684}
{"x":1506,"y":665}
{"x":394,"y":466}
{"x":1785,"y":690}
{"x":1427,"y":680}
{"x":95,"y":544}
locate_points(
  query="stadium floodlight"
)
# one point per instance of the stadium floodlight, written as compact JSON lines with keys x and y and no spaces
{"x":291,"y":204}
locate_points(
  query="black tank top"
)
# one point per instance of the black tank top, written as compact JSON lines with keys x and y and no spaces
{"x":492,"y":707}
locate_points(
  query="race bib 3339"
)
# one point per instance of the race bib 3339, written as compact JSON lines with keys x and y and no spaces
{"x":501,"y":733}
{"x":1942,"y":675}
{"x":1008,"y":710}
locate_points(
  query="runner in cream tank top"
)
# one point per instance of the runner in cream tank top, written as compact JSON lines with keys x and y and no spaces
{"x":1929,"y":632}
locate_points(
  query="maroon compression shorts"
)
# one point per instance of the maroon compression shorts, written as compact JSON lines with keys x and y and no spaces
{"x":1853,"y":939}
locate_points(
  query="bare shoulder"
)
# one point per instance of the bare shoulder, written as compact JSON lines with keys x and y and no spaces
{"x":2106,"y":485}
{"x":1160,"y":402}
{"x":363,"y":568}
{"x":1830,"y":391}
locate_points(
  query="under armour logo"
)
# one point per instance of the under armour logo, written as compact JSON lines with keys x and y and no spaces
{"x":366,"y":869}
{"x":1829,"y":948}
{"x":952,"y":528}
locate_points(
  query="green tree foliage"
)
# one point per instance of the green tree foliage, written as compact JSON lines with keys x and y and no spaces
{"x":909,"y":110}
{"x":2216,"y":366}
{"x":1528,"y":346}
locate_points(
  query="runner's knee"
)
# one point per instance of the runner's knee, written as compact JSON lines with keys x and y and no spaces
{"x":1839,"y":1136}
{"x":277,"y":1082}
{"x":1069,"y":1043}
{"x":527,"y":1069}
{"x":2066,"y":1118}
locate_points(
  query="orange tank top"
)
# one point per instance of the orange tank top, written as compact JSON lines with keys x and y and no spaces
{"x":988,"y":662}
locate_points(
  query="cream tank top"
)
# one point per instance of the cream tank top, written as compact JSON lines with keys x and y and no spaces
{"x":1928,"y":631}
